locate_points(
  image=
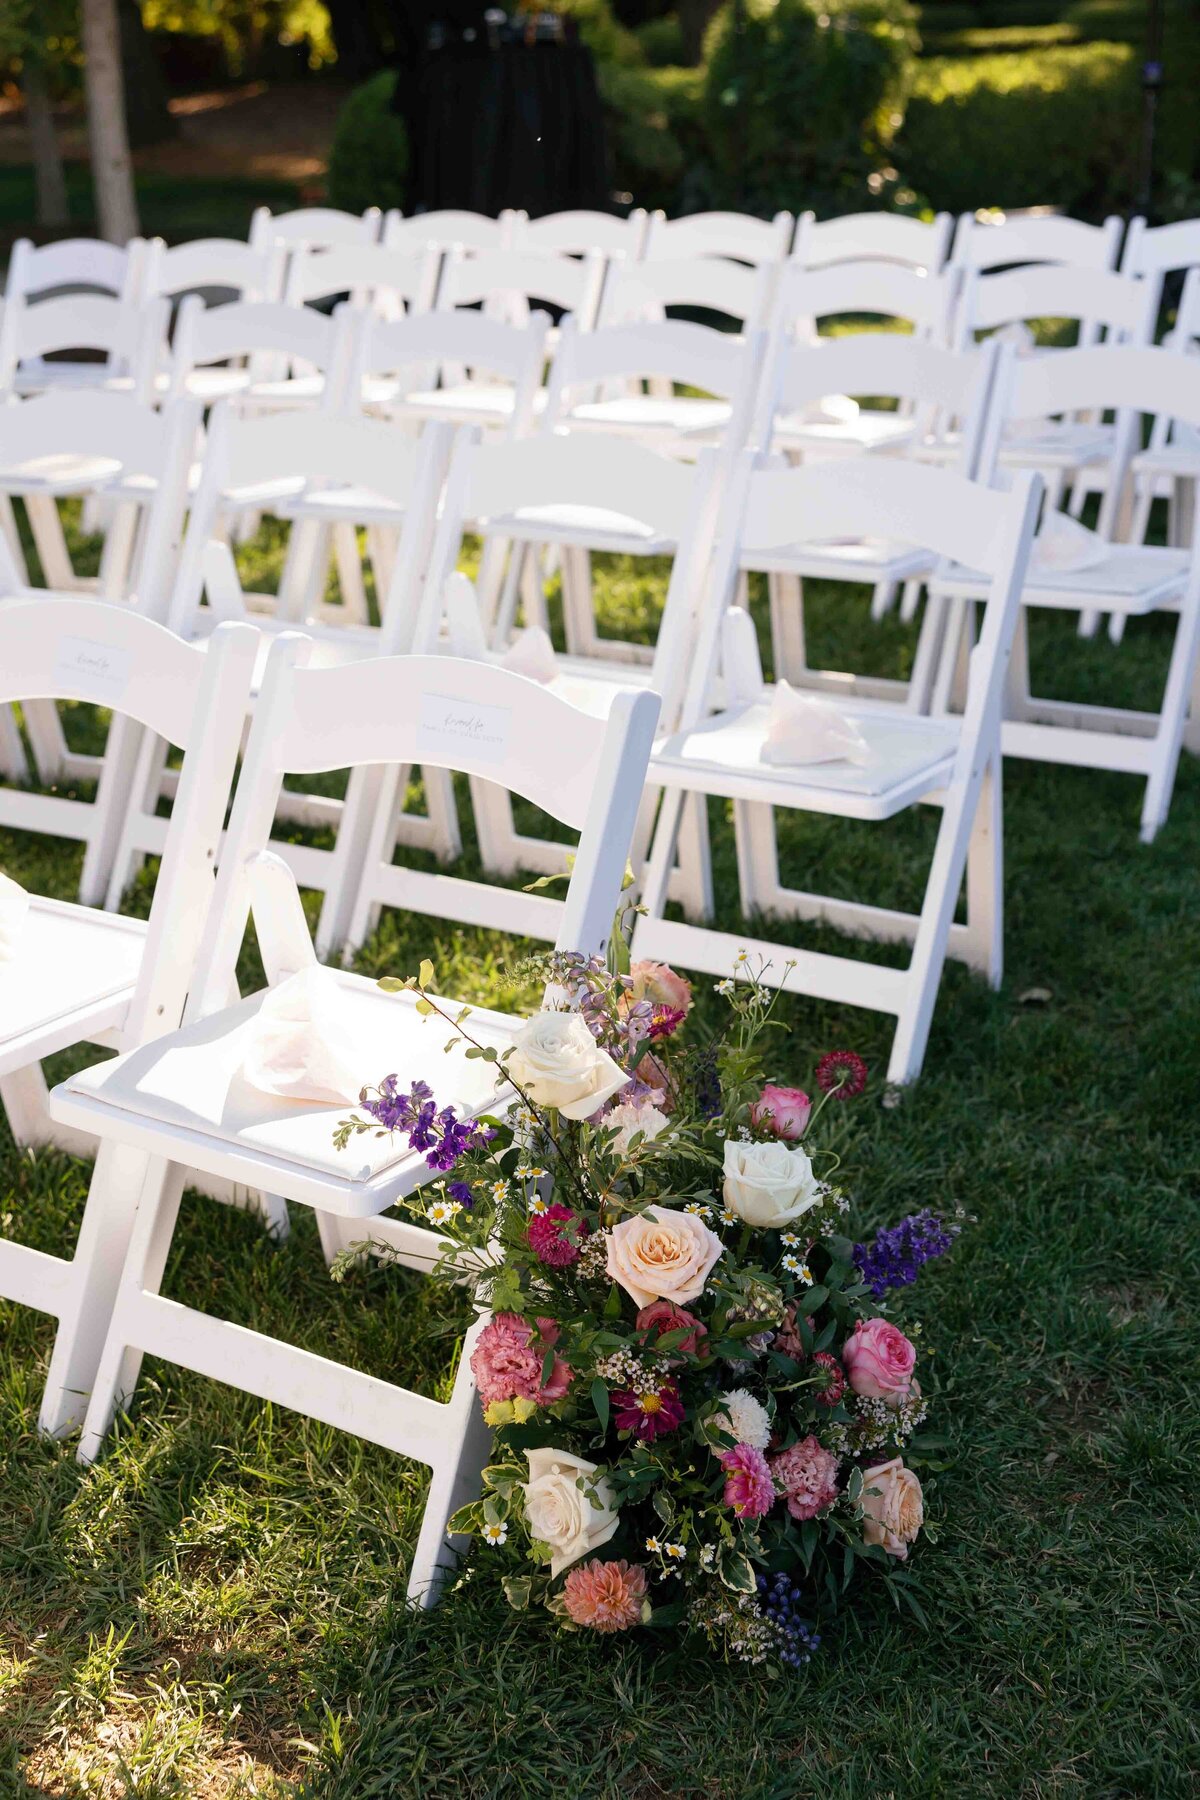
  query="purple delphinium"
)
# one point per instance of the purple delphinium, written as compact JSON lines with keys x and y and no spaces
{"x":899,"y":1251}
{"x":442,"y":1137}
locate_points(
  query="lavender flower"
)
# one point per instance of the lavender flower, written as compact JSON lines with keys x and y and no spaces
{"x":899,"y":1251}
{"x":442,"y":1137}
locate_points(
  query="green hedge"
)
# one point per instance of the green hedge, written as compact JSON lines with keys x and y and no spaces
{"x":368,"y":160}
{"x":1011,"y":130}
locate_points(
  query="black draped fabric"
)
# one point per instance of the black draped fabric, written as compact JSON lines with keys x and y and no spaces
{"x":513,"y":124}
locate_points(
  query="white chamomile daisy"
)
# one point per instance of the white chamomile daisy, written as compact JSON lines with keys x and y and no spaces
{"x":495,"y":1534}
{"x":805,"y":1274}
{"x":701,"y":1211}
{"x":678,"y":1551}
{"x":653,"y":1546}
{"x":792,"y":1264}
{"x":725,"y":988}
{"x":499,"y":1191}
{"x":536,"y":1204}
{"x":789,"y":1238}
{"x":440,"y":1212}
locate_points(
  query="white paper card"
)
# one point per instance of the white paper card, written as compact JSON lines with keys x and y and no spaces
{"x":99,"y":670}
{"x":449,"y":725}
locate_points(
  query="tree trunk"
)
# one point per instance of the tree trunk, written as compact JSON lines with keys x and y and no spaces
{"x":112,"y":171}
{"x":694,"y":16}
{"x":50,"y":187}
{"x":147,"y":115}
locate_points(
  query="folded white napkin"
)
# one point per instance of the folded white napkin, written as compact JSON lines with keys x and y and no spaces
{"x":1063,"y":545}
{"x":531,"y":653}
{"x":802,"y":728}
{"x":14,"y":908}
{"x":297,"y":1047}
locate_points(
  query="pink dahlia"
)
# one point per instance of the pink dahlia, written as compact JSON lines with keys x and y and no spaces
{"x":555,"y":1236}
{"x":605,"y":1596}
{"x":807,"y":1473}
{"x":507,"y":1361}
{"x":651,"y":1414}
{"x":842,"y":1074}
{"x":749,"y":1488}
{"x":662,"y":1316}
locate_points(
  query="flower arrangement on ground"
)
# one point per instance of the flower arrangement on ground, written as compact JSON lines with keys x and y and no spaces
{"x":705,"y":1413}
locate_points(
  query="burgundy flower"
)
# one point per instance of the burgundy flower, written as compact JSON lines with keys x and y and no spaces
{"x":842,"y":1074}
{"x":662,"y":1316}
{"x":835,"y":1379}
{"x":552,"y":1239}
{"x":650,"y":1414}
{"x":666,"y":1019}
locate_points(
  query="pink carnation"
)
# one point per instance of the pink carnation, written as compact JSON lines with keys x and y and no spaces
{"x":782,"y":1110}
{"x":605,"y":1596}
{"x":507,"y":1361}
{"x":662,"y":1316}
{"x":807,"y":1473}
{"x":749,"y":1489}
{"x":549,"y":1239}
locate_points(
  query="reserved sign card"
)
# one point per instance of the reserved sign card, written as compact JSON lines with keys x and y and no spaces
{"x":448,"y":725}
{"x":99,"y":670}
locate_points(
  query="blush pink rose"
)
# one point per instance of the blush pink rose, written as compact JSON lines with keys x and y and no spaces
{"x":662,"y":1316}
{"x":659,"y":983}
{"x":879,"y":1362}
{"x":783,"y":1110}
{"x":507,"y":1361}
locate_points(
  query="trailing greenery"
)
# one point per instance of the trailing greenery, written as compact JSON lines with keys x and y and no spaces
{"x":368,"y":161}
{"x":217,"y":1608}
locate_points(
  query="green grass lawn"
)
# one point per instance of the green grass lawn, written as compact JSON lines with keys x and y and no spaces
{"x":168,"y":206}
{"x":217,"y":1608}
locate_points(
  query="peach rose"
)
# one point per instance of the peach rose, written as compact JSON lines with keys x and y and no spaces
{"x":879,"y":1362}
{"x":658,"y":983}
{"x":662,"y":1255}
{"x":893,"y":1508}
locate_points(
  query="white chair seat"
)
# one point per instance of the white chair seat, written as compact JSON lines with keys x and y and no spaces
{"x":908,"y":756}
{"x":682,"y":415}
{"x":463,"y":403}
{"x":358,"y":505}
{"x":36,"y":373}
{"x":870,"y":431}
{"x":1133,"y":578}
{"x":332,"y":645}
{"x":1182,"y":461}
{"x":58,"y":475}
{"x":185,"y":1095}
{"x":72,"y":979}
{"x":596,"y":526}
{"x":860,"y":559}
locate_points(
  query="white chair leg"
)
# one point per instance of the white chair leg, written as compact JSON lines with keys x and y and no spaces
{"x":788,"y":650}
{"x":1181,"y":681}
{"x":96,"y":1267}
{"x":145,"y":1259}
{"x":46,"y":740}
{"x":45,"y":528}
{"x":910,"y":599}
{"x":23,"y":1097}
{"x":985,"y":879}
{"x":133,"y":760}
{"x":757,"y":856}
{"x":14,"y":764}
{"x":453,"y":1483}
{"x":350,"y":573}
{"x":353,"y":836}
{"x":305,"y":564}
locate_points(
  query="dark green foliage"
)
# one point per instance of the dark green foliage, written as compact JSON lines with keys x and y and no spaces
{"x":368,"y":161}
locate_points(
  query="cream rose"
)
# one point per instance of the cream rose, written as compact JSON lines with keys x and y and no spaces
{"x":558,"y":1062}
{"x":662,"y":1255}
{"x":570,"y":1517}
{"x":893,"y":1507}
{"x":768,"y":1185}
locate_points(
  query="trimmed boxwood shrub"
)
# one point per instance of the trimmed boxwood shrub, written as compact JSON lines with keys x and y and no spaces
{"x":1022,"y":130}
{"x":368,"y":161}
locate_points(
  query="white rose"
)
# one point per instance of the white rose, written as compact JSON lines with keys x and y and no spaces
{"x":558,"y":1062}
{"x":662,"y":1255}
{"x":627,"y":1120}
{"x":560,"y":1512}
{"x":768,"y":1185}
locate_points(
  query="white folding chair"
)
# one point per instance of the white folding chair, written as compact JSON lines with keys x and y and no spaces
{"x":79,"y":976}
{"x":999,"y":240}
{"x":265,"y":354}
{"x":1118,"y":577}
{"x":474,"y":231}
{"x":579,"y":232}
{"x":509,"y":284}
{"x":589,"y":364}
{"x":75,"y":265}
{"x":390,"y":283}
{"x":941,"y":397}
{"x":184,"y":1104}
{"x":211,"y":267}
{"x":735,"y":235}
{"x":279,"y":458}
{"x":873,"y":237}
{"x":940,"y":759}
{"x":1169,"y":467}
{"x":315,"y":227}
{"x":453,"y":364}
{"x":645,"y":291}
{"x":40,"y":342}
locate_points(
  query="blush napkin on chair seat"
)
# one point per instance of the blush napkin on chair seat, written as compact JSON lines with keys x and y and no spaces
{"x":1063,"y":545}
{"x":297,"y":1047}
{"x":14,"y":909}
{"x":531,"y":653}
{"x":802,"y":728}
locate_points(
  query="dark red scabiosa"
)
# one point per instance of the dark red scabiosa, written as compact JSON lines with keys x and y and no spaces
{"x":835,"y":1379}
{"x":650,"y":1414}
{"x":841,"y":1074}
{"x":555,"y":1236}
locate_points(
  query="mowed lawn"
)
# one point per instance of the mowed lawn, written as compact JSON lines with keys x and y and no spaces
{"x":217,"y":1608}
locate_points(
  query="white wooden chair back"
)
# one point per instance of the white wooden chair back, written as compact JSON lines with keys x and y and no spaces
{"x":946,"y":390}
{"x":1095,"y":300}
{"x":996,"y":241}
{"x":124,"y":342}
{"x":734,"y":235}
{"x":67,"y":649}
{"x":645,"y":291}
{"x":580,"y":232}
{"x":389,"y":282}
{"x":275,"y":341}
{"x":320,"y":227}
{"x":674,"y":350}
{"x":1152,"y":252}
{"x":510,"y":283}
{"x":74,"y":263}
{"x":427,"y":348}
{"x":806,"y":296}
{"x":226,"y":265}
{"x":474,"y":231}
{"x":449,"y":713}
{"x":873,"y":237}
